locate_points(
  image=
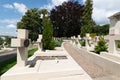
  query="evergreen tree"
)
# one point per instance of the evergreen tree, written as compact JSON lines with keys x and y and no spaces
{"x":87,"y":20}
{"x":48,"y":42}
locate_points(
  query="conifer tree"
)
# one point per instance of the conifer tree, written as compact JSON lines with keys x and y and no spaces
{"x":47,"y":34}
{"x":88,"y":22}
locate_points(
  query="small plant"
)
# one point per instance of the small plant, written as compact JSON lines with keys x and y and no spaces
{"x":118,"y":44}
{"x":82,"y":42}
{"x":101,"y":46}
{"x":58,"y":43}
{"x":92,"y":35}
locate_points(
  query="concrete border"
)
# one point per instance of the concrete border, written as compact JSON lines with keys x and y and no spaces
{"x":104,"y":62}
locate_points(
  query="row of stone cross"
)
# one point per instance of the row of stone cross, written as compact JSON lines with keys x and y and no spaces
{"x":22,"y":42}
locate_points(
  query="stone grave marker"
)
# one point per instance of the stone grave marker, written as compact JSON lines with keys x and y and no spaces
{"x":87,"y":41}
{"x":78,"y":41}
{"x":4,"y":46}
{"x":22,"y":42}
{"x":39,"y":40}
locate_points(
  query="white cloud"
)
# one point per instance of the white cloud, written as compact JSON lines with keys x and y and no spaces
{"x":11,"y":26}
{"x":8,"y":6}
{"x":8,"y":33}
{"x":9,"y":21}
{"x":20,"y":7}
{"x":53,"y":3}
{"x":102,"y":9}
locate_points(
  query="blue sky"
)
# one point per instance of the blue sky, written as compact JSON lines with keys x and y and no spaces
{"x":11,"y":11}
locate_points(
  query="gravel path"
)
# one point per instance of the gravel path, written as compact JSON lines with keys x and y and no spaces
{"x":95,"y":71}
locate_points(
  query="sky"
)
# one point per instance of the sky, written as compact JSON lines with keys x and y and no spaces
{"x":11,"y":11}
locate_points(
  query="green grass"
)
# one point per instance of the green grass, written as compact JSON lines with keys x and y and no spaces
{"x":7,"y":64}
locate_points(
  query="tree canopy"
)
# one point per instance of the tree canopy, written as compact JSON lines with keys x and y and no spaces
{"x":66,"y":19}
{"x":31,"y":21}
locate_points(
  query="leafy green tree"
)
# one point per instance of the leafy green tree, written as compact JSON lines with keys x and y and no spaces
{"x":88,"y":23}
{"x":1,"y":41}
{"x":48,"y":42}
{"x":101,"y":30}
{"x":31,"y":21}
{"x":101,"y":46}
{"x":66,"y":19}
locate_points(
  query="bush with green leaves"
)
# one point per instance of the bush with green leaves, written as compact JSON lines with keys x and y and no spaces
{"x":101,"y":46}
{"x":1,"y":41}
{"x":58,"y":43}
{"x":82,"y":42}
{"x":51,"y":45}
{"x":118,"y":44}
{"x":92,"y":35}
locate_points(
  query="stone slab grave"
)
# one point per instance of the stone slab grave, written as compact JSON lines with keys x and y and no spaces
{"x":88,"y":45}
{"x":78,"y":41}
{"x":112,"y":38}
{"x":50,"y":65}
{"x":39,"y":40}
{"x":73,"y":40}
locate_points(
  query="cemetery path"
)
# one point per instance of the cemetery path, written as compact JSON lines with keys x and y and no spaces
{"x":96,"y":72}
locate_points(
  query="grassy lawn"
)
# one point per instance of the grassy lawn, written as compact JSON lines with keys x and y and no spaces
{"x":7,"y":64}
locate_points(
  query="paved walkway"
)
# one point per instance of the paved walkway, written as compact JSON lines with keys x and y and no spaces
{"x":95,"y":71}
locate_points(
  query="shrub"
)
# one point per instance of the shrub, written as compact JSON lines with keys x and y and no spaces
{"x":92,"y":35}
{"x":51,"y":45}
{"x":101,"y":46}
{"x":58,"y":43}
{"x":118,"y":44}
{"x":82,"y":42}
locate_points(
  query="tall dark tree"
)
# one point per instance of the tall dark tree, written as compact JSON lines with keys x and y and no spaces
{"x":88,"y":23}
{"x":66,"y":19}
{"x":31,"y":21}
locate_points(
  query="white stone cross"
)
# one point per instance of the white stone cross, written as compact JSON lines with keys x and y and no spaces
{"x":87,"y":40}
{"x":22,"y":42}
{"x":39,"y":40}
{"x":74,"y":42}
{"x":78,"y":42}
